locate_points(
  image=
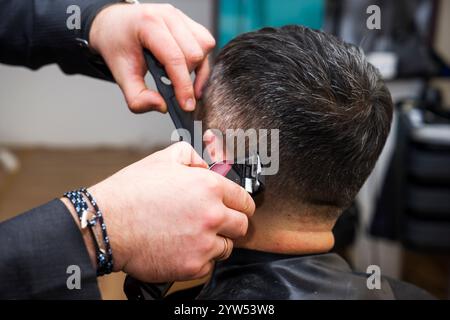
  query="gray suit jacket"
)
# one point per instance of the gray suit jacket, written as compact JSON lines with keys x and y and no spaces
{"x":34,"y":33}
{"x":36,"y":248}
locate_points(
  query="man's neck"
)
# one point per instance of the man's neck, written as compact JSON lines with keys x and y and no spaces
{"x":281,"y":233}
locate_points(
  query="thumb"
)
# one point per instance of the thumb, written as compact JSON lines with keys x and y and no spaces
{"x":180,"y":152}
{"x":183,"y":153}
{"x":138,"y":97}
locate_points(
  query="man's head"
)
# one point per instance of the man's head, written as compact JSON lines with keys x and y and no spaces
{"x":330,"y":105}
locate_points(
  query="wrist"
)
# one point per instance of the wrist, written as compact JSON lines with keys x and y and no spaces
{"x":90,"y":14}
{"x":84,"y":232}
{"x":113,"y":220}
{"x":97,"y":24}
{"x":93,"y":32}
{"x":90,"y":219}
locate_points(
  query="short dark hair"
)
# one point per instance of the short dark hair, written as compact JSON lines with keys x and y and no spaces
{"x":329,"y":103}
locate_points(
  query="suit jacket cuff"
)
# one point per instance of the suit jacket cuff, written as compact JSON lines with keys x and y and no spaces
{"x":40,"y":250}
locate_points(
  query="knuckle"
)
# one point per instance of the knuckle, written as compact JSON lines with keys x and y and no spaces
{"x":213,"y":185}
{"x":207,"y":245}
{"x":243,"y":227}
{"x":184,"y":87}
{"x":210,"y":43}
{"x":251,"y":205}
{"x":168,"y":7}
{"x":195,"y":56}
{"x":205,"y":270}
{"x":149,"y":16}
{"x":213,"y":219}
{"x":183,"y":147}
{"x":177,"y":59}
{"x":134,"y":110}
{"x":248,"y":204}
{"x":134,"y":106}
{"x":179,"y":12}
{"x":192,"y":267}
{"x":187,"y":89}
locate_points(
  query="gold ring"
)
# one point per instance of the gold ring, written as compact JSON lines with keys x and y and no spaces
{"x":223,"y":255}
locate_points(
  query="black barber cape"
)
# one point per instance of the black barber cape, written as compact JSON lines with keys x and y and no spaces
{"x":254,"y":275}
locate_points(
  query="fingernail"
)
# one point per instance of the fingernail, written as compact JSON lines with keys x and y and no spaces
{"x":190,"y":104}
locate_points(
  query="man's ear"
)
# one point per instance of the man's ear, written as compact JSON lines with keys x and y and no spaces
{"x":213,"y":140}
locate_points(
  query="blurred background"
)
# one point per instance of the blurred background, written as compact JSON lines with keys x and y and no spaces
{"x":401,"y":218}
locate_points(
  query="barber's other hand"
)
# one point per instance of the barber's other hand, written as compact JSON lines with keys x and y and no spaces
{"x":166,"y":215}
{"x":121,"y":31}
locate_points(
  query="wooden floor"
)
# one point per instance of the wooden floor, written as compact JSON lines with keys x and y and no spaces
{"x":46,"y":174}
{"x":430,"y":271}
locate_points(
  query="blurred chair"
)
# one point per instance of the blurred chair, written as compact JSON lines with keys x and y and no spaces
{"x":426,"y":219}
{"x":345,"y":229}
{"x":414,"y":206}
{"x":407,"y":32}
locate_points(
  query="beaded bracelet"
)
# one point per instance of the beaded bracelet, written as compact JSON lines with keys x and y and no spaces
{"x":103,"y":253}
{"x":108,"y":259}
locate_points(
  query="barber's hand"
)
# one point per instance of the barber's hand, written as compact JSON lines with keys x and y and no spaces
{"x":166,"y":215}
{"x":121,"y":31}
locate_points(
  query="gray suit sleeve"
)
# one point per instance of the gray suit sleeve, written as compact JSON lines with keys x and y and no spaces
{"x":34,"y":33}
{"x":36,"y":249}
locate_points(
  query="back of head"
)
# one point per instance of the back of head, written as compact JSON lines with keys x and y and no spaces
{"x":330,"y":105}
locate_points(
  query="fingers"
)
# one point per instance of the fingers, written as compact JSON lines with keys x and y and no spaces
{"x":138,"y":97}
{"x":202,"y":75}
{"x":205,"y":270}
{"x":203,"y":36}
{"x":207,"y":43}
{"x":183,"y":153}
{"x":235,"y":197}
{"x":180,"y":152}
{"x":159,"y":40}
{"x":178,"y":42}
{"x":234,"y":225}
{"x":222,"y":249}
{"x":188,"y":44}
{"x":181,"y":45}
